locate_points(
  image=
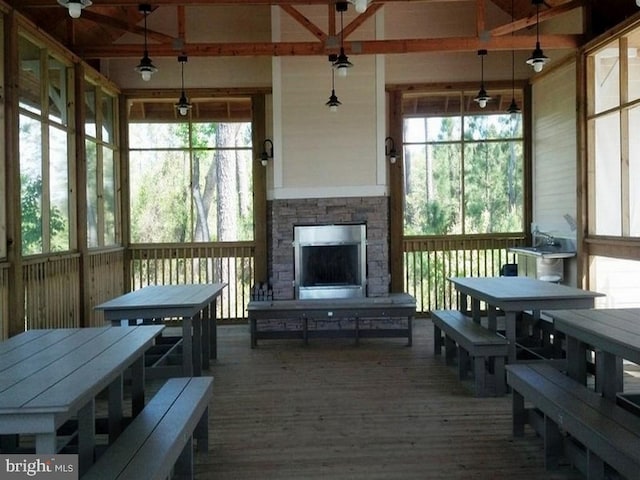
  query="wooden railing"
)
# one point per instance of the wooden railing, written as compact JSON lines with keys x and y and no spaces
{"x":52,"y":288}
{"x":226,"y":262}
{"x":4,"y":301}
{"x":105,"y":280}
{"x":429,"y":261}
{"x":51,"y":291}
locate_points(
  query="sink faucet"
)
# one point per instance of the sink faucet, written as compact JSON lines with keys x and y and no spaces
{"x":550,"y":240}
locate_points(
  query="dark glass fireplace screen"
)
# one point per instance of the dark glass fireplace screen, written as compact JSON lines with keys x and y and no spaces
{"x":330,"y":265}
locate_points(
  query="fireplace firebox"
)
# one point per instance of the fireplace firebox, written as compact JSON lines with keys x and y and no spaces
{"x":330,"y":261}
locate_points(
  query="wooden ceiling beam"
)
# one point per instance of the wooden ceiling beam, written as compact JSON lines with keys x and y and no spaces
{"x":125,"y":26}
{"x":135,"y":3}
{"x":365,"y":47}
{"x":531,"y":20}
{"x":305,"y":22}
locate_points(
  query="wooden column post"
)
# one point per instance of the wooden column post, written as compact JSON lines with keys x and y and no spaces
{"x":258,"y":110}
{"x":396,"y":195}
{"x":12,"y":139}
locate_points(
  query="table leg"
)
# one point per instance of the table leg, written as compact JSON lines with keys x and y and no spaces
{"x":510,"y":334}
{"x":137,"y":386}
{"x":475,"y":310}
{"x":187,"y":347}
{"x":492,"y":318}
{"x":609,"y":373}
{"x":462,"y":302}
{"x":197,"y":341}
{"x":206,"y":337}
{"x":213,"y":329}
{"x":86,"y":435}
{"x":46,"y":443}
{"x":115,"y":391}
{"x":577,"y":360}
{"x":409,"y":331}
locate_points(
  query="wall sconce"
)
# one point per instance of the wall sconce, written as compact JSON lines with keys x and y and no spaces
{"x":267,"y":152}
{"x":391,"y":150}
{"x":75,"y":6}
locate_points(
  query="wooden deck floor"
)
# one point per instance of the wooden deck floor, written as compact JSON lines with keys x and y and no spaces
{"x":333,"y":410}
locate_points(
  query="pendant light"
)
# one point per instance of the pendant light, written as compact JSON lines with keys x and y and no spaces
{"x":482,"y":98}
{"x":183,"y":104}
{"x":333,"y":103}
{"x":342,"y":63}
{"x":75,"y":6}
{"x":145,"y":68}
{"x":513,"y":106}
{"x":537,"y":59}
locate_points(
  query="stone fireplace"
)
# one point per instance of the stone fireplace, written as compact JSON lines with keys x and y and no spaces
{"x":371,"y":213}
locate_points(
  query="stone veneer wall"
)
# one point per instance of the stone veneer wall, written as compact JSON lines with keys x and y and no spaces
{"x":283,"y":215}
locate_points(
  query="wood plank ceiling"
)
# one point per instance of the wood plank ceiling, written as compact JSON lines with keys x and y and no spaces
{"x":95,"y":35}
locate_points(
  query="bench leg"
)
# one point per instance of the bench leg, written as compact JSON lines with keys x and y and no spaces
{"x":479,"y":371}
{"x":254,"y":331}
{"x":184,"y":465}
{"x":519,"y":414}
{"x":499,"y":375}
{"x":449,"y":350}
{"x":552,"y":443}
{"x":463,"y":363}
{"x":201,"y":432}
{"x":437,"y":340}
{"x":595,"y":466}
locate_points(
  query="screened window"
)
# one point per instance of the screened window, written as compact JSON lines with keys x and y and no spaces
{"x":44,"y":149}
{"x":614,"y":148}
{"x":191,"y":177}
{"x":463,"y":166}
{"x":101,"y":154}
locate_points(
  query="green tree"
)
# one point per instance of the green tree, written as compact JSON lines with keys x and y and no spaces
{"x":31,"y":216}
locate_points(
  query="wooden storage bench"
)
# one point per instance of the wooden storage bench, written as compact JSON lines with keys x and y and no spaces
{"x":160,"y":438}
{"x":467,"y":339}
{"x":592,"y":431}
{"x":301,"y":312}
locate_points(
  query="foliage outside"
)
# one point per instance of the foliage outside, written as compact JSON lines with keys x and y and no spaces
{"x":463,"y":176}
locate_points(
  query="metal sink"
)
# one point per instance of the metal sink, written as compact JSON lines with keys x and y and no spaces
{"x":544,"y":251}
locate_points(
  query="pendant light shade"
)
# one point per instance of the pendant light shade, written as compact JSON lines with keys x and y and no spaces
{"x":333,"y":103}
{"x":538,"y":59}
{"x":145,"y":68}
{"x":482,"y":98}
{"x":342,"y":63}
{"x":183,"y":104}
{"x":75,"y":6}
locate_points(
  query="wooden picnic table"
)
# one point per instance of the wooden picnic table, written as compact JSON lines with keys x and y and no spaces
{"x":48,"y":377}
{"x":614,"y":334}
{"x":194,"y":304}
{"x":514,"y":295}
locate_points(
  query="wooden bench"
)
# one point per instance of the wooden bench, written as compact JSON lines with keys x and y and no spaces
{"x":161,"y":436}
{"x":594,"y":433}
{"x":467,"y":339}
